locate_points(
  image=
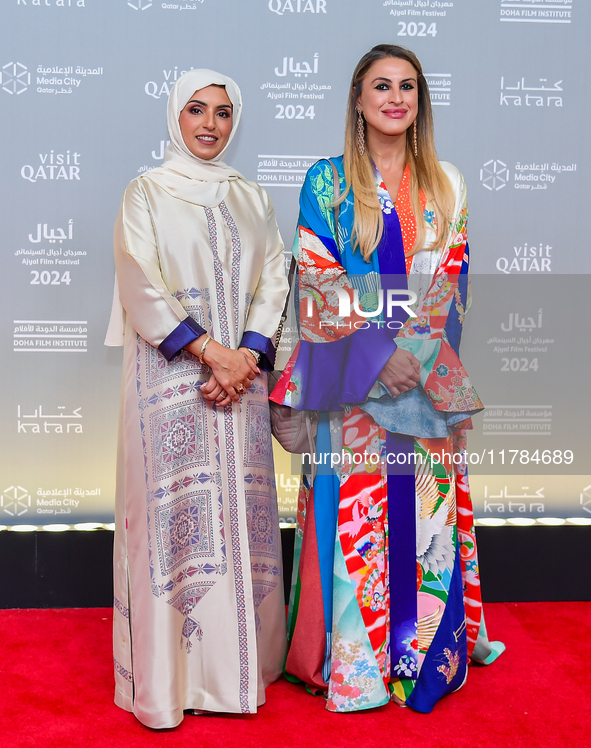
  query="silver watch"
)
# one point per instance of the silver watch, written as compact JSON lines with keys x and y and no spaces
{"x":256,"y":354}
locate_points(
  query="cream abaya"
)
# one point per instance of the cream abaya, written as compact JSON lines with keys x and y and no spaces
{"x":199,"y":608}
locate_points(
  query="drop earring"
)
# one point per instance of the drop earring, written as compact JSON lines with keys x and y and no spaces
{"x":414,"y":138}
{"x":360,"y":132}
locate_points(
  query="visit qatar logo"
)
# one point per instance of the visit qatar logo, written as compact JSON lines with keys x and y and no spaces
{"x":140,"y":4}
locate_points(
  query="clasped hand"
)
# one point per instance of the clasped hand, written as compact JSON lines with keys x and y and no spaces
{"x":232,"y":373}
{"x":401,"y":372}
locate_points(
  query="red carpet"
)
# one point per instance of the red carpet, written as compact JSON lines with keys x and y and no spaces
{"x":57,"y":691}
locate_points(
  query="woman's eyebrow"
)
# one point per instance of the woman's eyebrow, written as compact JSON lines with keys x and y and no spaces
{"x":203,"y":103}
{"x":388,"y":80}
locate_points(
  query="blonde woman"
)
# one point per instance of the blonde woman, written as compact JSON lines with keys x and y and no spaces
{"x":386,"y":601}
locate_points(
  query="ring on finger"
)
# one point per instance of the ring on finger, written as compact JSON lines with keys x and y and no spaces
{"x":240,"y":388}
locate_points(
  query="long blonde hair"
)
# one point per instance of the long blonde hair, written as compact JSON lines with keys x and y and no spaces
{"x":426,"y":173}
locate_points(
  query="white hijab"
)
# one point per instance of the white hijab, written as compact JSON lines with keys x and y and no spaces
{"x":184,"y":175}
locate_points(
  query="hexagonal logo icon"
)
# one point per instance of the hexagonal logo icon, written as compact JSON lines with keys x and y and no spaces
{"x":494,"y":175}
{"x":586,"y":499}
{"x":15,"y":501}
{"x":15,"y":78}
{"x":140,"y":4}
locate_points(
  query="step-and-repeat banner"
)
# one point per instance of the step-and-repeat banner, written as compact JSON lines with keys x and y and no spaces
{"x":83,"y":91}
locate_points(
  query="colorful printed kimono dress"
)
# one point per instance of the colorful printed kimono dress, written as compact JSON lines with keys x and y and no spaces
{"x":385,"y":599}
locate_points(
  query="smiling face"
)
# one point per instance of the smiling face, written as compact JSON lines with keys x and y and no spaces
{"x":206,"y":122}
{"x":389,"y":98}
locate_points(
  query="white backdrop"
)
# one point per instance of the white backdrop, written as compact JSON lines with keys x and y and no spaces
{"x":83,"y":92}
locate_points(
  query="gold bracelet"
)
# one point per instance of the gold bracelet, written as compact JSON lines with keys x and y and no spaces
{"x":203,"y":347}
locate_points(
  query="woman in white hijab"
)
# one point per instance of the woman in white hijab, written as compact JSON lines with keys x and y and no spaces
{"x":199,"y":608}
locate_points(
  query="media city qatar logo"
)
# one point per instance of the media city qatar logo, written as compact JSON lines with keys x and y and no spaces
{"x":494,"y":175}
{"x":15,"y":78}
{"x":145,"y":4}
{"x":15,"y":501}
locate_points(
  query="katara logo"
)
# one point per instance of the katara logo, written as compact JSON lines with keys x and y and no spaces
{"x":586,"y":499}
{"x":15,"y":78}
{"x":15,"y":501}
{"x":141,"y":4}
{"x":494,"y":175}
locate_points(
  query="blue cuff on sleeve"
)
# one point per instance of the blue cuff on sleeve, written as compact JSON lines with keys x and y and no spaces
{"x":342,"y":371}
{"x":187,"y":331}
{"x":263,"y":345}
